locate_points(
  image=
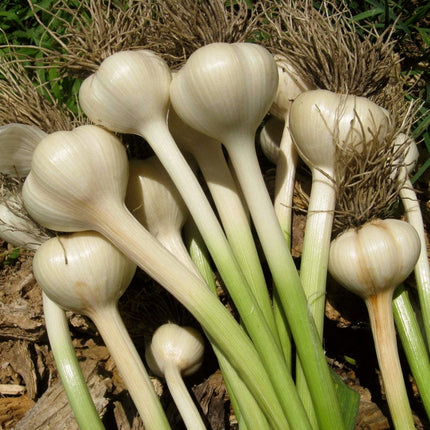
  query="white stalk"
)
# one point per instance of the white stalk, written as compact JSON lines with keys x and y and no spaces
{"x":61,"y":193}
{"x":413,"y":215}
{"x":372,"y":261}
{"x":289,"y":87}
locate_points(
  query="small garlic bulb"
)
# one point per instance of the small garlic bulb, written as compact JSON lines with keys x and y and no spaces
{"x":225,"y":89}
{"x":289,"y":87}
{"x":16,"y":227}
{"x":128,"y":90}
{"x":321,"y":119}
{"x":172,"y":344}
{"x":82,"y":271}
{"x":270,"y":138}
{"x":375,"y":257}
{"x":153,"y":198}
{"x":17,"y":144}
{"x":74,"y":175}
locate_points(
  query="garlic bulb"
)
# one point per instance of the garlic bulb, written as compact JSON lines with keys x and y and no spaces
{"x":225,"y":89}
{"x":61,"y":192}
{"x":174,"y":352}
{"x":270,"y":138}
{"x":289,"y":87}
{"x":156,"y":203}
{"x":172,"y":344}
{"x":17,"y":144}
{"x":82,"y":272}
{"x":343,"y":120}
{"x":377,"y":256}
{"x":128,"y":90}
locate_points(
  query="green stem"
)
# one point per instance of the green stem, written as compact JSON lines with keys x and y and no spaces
{"x":380,"y":310}
{"x":314,"y":262}
{"x":248,"y":412}
{"x":287,"y":282}
{"x":235,"y":221}
{"x":422,"y":269}
{"x":125,"y":232}
{"x":68,"y":367}
{"x":130,"y":366}
{"x":413,"y":344}
{"x":230,"y":271}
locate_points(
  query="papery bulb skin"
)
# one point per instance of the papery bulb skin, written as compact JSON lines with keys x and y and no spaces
{"x":289,"y":87}
{"x":225,"y":89}
{"x":17,"y":144}
{"x":375,"y":257}
{"x":129,"y":90}
{"x":75,"y":174}
{"x":153,"y":198}
{"x":82,"y":272}
{"x":320,"y":120}
{"x":173,"y":344}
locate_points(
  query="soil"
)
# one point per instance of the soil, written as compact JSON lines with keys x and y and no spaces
{"x":32,"y":396}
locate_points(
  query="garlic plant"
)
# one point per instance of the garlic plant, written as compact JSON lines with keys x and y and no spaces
{"x":130,"y":94}
{"x":173,"y":353}
{"x":154,"y":201}
{"x":60,"y":193}
{"x":85,"y":273}
{"x":371,"y":261}
{"x":224,"y":91}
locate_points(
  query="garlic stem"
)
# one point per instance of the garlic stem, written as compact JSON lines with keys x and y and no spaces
{"x":284,"y":182}
{"x":380,"y":311}
{"x":413,"y":343}
{"x":111,"y":327}
{"x":182,"y":398}
{"x":68,"y":367}
{"x":422,"y":270}
{"x":247,"y":410}
{"x":287,"y":282}
{"x":235,"y":221}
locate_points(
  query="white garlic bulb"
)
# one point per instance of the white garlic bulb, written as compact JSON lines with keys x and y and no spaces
{"x":128,"y":91}
{"x":17,"y":144}
{"x":82,"y":271}
{"x":321,"y":119}
{"x":225,"y":89}
{"x":74,"y":175}
{"x":375,"y":257}
{"x":182,"y":347}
